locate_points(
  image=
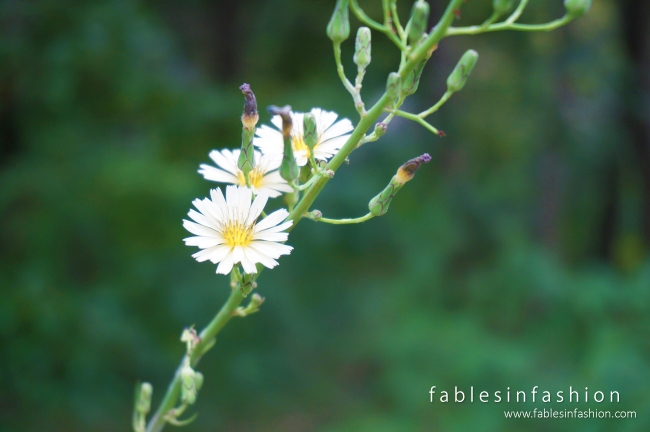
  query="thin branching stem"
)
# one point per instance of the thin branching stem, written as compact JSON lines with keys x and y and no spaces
{"x":345,"y":221}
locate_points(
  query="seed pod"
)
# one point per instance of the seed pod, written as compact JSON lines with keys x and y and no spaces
{"x":338,"y":29}
{"x":418,"y":22}
{"x":393,"y":85}
{"x":378,"y":206}
{"x":249,"y":118}
{"x":502,"y":7}
{"x":576,"y":8}
{"x":362,"y":48}
{"x":463,"y":69}
{"x":310,"y":131}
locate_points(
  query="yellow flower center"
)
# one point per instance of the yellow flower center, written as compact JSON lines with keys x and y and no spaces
{"x":299,"y":145}
{"x":254,"y":177}
{"x":237,"y":234}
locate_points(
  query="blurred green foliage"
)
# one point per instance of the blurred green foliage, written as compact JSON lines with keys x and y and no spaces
{"x":516,"y":258}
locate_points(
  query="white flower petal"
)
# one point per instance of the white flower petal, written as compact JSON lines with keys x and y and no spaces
{"x":274,"y":250}
{"x":226,"y":159}
{"x":271,"y":220}
{"x":199,"y":230}
{"x":225,"y":266}
{"x":257,"y":207}
{"x":215,"y":174}
{"x":256,"y":256}
{"x":271,"y":236}
{"x":226,"y":232}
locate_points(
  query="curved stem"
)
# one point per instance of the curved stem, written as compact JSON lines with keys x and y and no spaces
{"x":207,"y":335}
{"x":417,"y":119}
{"x":472,"y":30}
{"x":361,"y":16}
{"x":356,"y":96}
{"x":415,"y":57}
{"x":517,"y":13}
{"x":445,"y":97}
{"x":345,"y":221}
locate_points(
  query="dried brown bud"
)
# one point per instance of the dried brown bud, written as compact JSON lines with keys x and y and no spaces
{"x":250,"y":116}
{"x":285,"y":115}
{"x":406,"y":171}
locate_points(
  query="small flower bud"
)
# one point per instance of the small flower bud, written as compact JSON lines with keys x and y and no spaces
{"x":393,"y":85}
{"x":190,"y":337}
{"x":143,"y":404}
{"x":188,"y":385}
{"x":378,"y":206}
{"x":314,"y":215}
{"x":288,"y":168}
{"x":310,"y":131}
{"x":418,"y":22}
{"x":577,"y":8}
{"x":362,"y":48}
{"x":410,"y":84}
{"x":458,"y":76}
{"x":249,"y":118}
{"x":380,"y":129}
{"x":502,"y":7}
{"x":198,"y":380}
{"x":338,"y":29}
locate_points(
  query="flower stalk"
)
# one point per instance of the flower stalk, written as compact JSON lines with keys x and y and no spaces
{"x":309,"y":158}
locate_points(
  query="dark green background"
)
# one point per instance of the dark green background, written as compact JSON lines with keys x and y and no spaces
{"x":517,"y":257}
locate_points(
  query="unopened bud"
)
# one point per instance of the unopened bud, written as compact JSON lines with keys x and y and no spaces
{"x":188,"y":385}
{"x":576,"y":8}
{"x":338,"y":29}
{"x":190,"y":337}
{"x":198,"y":380}
{"x":288,"y":168}
{"x":418,"y":22}
{"x":249,"y":118}
{"x":412,"y":80}
{"x":314,"y":215}
{"x":463,"y":69}
{"x":362,"y":48}
{"x":502,"y":7}
{"x":378,"y":206}
{"x":393,"y":85}
{"x":380,"y":129}
{"x":143,"y":404}
{"x":310,"y":131}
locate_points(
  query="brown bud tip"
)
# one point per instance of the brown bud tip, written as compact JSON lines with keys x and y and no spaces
{"x":406,"y":171}
{"x":442,"y":133}
{"x":250,"y":116}
{"x":250,"y":104}
{"x":285,"y":114}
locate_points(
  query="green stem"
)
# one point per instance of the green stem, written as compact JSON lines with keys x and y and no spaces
{"x":517,"y":13}
{"x":472,"y":30}
{"x":157,"y":422}
{"x":356,"y":96}
{"x":346,"y":221}
{"x":445,"y":97}
{"x":417,"y":119}
{"x":361,"y":16}
{"x":415,"y":57}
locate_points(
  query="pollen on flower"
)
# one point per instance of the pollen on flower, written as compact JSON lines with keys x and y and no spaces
{"x":299,"y":145}
{"x":255,"y":178}
{"x":236,"y":233}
